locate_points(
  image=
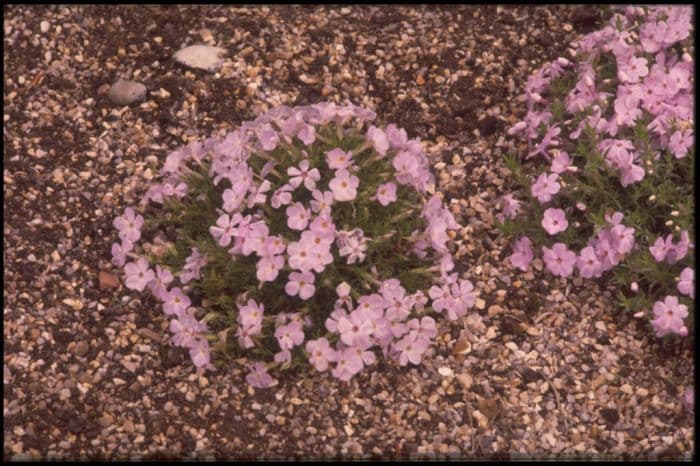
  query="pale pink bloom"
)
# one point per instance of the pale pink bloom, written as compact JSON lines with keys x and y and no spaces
{"x":159,"y":283}
{"x":386,"y":193}
{"x":175,"y":302}
{"x":522,"y":254}
{"x":559,"y":260}
{"x":680,"y":142}
{"x":354,"y":249}
{"x":259,"y":378}
{"x":138,"y":274}
{"x":119,"y":252}
{"x":545,"y":187}
{"x":424,"y":329}
{"x":588,"y":264}
{"x":338,"y":159}
{"x":297,"y":216}
{"x":284,"y":356}
{"x":378,"y":139}
{"x":257,"y":193}
{"x":225,"y":228}
{"x":322,"y":201}
{"x":301,"y":284}
{"x":272,"y":246}
{"x":669,"y":317}
{"x":267,"y":136}
{"x":129,"y":225}
{"x":233,"y":197}
{"x":686,"y":283}
{"x":303,"y":175}
{"x":307,"y":134}
{"x":193,"y":265}
{"x":354,"y":329}
{"x":199,"y":352}
{"x":659,"y":249}
{"x":300,"y":256}
{"x":348,"y":364}
{"x":289,"y":335}
{"x":282,"y":196}
{"x":344,"y":185}
{"x":560,"y":163}
{"x":510,"y":205}
{"x":332,"y":321}
{"x":411,"y":348}
{"x":185,"y":329}
{"x":320,"y":353}
{"x":268,"y":268}
{"x":554,"y":221}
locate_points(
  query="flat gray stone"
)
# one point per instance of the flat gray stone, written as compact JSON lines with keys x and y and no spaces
{"x":124,"y":92}
{"x":204,"y":57}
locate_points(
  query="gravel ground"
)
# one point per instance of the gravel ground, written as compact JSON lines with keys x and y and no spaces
{"x":545,"y":369}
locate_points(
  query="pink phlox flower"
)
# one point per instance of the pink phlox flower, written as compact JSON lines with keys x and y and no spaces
{"x":659,"y":249}
{"x":362,"y":349}
{"x":441,"y":296}
{"x":175,"y":302}
{"x":200,"y":353}
{"x":138,"y":274}
{"x":386,"y":194}
{"x":254,"y":235}
{"x":259,"y":378}
{"x":225,"y":228}
{"x":463,"y":293}
{"x":510,"y":205}
{"x":669,"y":317}
{"x":344,"y":186}
{"x":301,"y":256}
{"x":185,"y":329}
{"x":193,"y":265}
{"x":378,"y":139}
{"x":343,"y":292}
{"x":425,"y":328}
{"x":686,"y":282}
{"x":338,"y":159}
{"x":318,"y":239}
{"x":320,"y":353}
{"x":119,"y":252}
{"x":348,"y":364}
{"x":321,"y":202}
{"x":623,"y":238}
{"x":522,"y":254}
{"x":301,"y":284}
{"x":289,"y":335}
{"x":547,"y":140}
{"x":554,"y":221}
{"x":680,"y":143}
{"x":282,"y":196}
{"x":158,"y":285}
{"x":323,"y":225}
{"x":267,"y":137}
{"x":606,"y":252}
{"x":411,"y":348}
{"x":560,"y":163}
{"x":304,"y":175}
{"x":129,"y":225}
{"x":545,"y":187}
{"x":233,"y":197}
{"x":678,"y":251}
{"x":272,"y":246}
{"x":588,"y":264}
{"x":354,"y":329}
{"x":559,"y":260}
{"x":631,"y":69}
{"x":257,"y":193}
{"x":268,"y":268}
{"x":396,"y":137}
{"x":284,"y":356}
{"x":297,"y":216}
{"x":354,"y":248}
{"x":332,"y":321}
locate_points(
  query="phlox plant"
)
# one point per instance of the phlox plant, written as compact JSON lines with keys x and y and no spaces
{"x":606,"y":186}
{"x":306,"y":236}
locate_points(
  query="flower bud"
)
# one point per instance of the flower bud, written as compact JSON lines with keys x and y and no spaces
{"x":634,"y":287}
{"x":687,"y":58}
{"x":652,"y":198}
{"x":639,"y":314}
{"x":674,"y":213}
{"x":669,"y":223}
{"x":581,"y":206}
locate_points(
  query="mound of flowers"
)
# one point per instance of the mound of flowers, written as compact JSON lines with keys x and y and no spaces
{"x":306,"y":236}
{"x":610,"y":140}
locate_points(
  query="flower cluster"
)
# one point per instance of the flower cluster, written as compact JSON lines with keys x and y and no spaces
{"x":615,"y":129}
{"x":304,"y":235}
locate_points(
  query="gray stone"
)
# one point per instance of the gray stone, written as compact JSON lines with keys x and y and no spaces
{"x":125,"y":92}
{"x":205,"y":57}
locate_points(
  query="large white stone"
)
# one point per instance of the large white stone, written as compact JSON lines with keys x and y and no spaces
{"x":205,"y":57}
